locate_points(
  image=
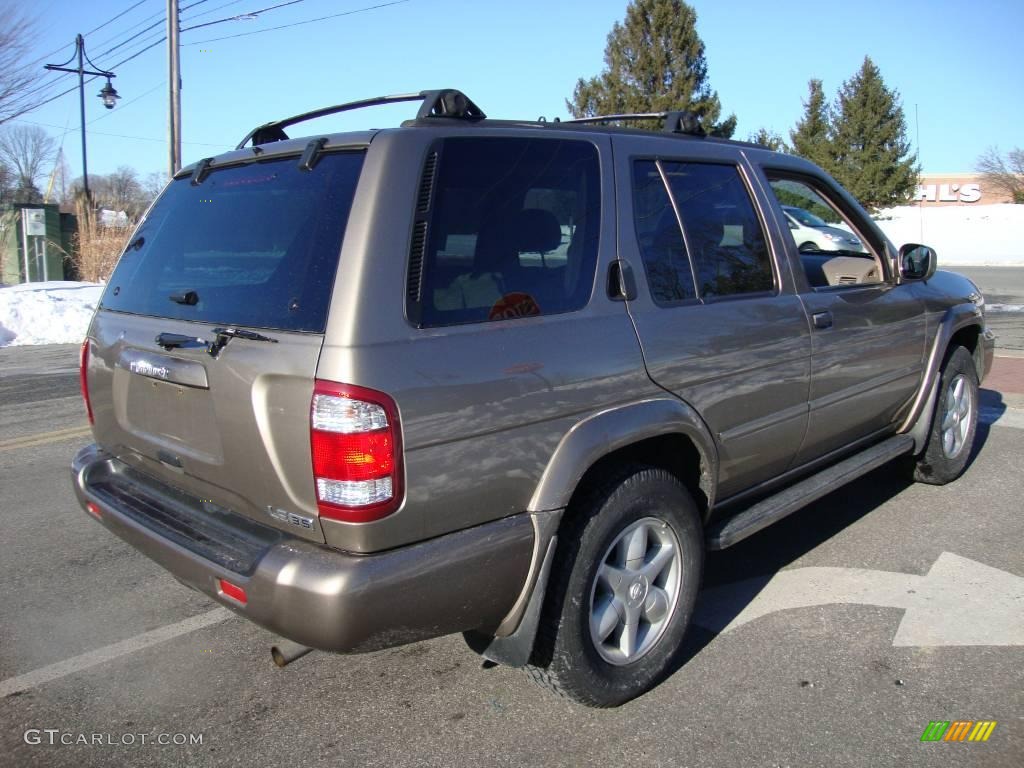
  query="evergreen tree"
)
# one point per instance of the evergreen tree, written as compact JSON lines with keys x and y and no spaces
{"x":654,"y":62}
{"x":872,"y":156}
{"x":812,"y":136}
{"x":768,"y":139}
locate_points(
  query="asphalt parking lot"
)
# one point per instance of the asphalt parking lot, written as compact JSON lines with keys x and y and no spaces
{"x":831,"y":639}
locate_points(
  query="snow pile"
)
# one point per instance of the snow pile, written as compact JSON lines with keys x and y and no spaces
{"x":56,"y":312}
{"x":962,"y":235}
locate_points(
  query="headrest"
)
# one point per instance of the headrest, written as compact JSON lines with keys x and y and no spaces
{"x":537,"y":231}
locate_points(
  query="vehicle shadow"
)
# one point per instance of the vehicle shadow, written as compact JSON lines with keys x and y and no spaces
{"x":750,"y":565}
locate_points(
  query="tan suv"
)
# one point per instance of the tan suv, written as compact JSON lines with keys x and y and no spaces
{"x":506,"y":378}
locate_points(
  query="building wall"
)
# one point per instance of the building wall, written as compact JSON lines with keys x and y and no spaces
{"x":936,"y":189}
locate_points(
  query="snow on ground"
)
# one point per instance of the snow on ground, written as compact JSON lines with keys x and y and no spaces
{"x":55,"y":312}
{"x":962,"y":235}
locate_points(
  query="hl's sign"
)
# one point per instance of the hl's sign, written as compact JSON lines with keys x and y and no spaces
{"x":948,"y":193}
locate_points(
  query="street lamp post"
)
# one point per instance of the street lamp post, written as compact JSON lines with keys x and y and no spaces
{"x":108,"y":95}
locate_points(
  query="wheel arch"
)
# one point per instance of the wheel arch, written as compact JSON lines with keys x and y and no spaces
{"x":961,"y":325}
{"x":662,"y":432}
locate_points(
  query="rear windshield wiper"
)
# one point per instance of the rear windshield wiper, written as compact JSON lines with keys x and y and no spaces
{"x":224,"y":335}
{"x":191,"y":298}
{"x":173,"y":340}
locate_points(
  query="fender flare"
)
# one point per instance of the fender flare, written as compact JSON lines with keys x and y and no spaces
{"x":580,"y":448}
{"x":919,"y":419}
{"x":609,"y":430}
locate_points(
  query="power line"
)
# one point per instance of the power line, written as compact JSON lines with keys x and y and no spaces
{"x":121,"y":107}
{"x":298,"y":23}
{"x":212,"y":10}
{"x":87,"y":80}
{"x":121,"y":135}
{"x":132,"y":27}
{"x":101,"y":26}
{"x":236,"y":16}
{"x":115,"y":18}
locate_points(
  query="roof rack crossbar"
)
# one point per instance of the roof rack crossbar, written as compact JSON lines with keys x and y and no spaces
{"x":673,"y":122}
{"x":446,"y":102}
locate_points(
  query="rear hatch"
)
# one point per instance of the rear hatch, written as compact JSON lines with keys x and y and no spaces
{"x":205,"y":347}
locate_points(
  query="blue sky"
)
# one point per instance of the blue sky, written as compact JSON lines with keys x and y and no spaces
{"x":956,"y":63}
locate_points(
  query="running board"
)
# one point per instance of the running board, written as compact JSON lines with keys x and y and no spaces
{"x":790,"y":499}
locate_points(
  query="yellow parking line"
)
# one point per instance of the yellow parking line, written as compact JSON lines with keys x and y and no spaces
{"x":30,"y":441}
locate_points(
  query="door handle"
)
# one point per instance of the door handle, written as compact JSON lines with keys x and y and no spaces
{"x":822,"y":320}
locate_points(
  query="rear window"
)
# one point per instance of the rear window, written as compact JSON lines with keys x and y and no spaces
{"x":256,"y":244}
{"x":513,"y":231}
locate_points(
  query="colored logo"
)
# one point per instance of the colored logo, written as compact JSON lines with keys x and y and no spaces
{"x":958,"y":730}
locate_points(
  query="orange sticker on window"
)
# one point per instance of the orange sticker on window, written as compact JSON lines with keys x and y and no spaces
{"x":513,"y":305}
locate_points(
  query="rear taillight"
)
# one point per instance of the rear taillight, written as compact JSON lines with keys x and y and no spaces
{"x":83,"y":377}
{"x":357,"y":452}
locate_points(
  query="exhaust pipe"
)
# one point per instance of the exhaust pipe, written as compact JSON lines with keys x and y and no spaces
{"x":285,"y":652}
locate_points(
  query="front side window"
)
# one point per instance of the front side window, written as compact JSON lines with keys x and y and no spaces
{"x":831,"y":251}
{"x":513,"y":231}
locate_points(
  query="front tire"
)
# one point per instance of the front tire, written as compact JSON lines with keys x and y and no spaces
{"x":954,"y":423}
{"x":622,"y":591}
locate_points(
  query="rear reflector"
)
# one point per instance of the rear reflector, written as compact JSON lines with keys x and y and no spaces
{"x":93,"y":510}
{"x":83,"y":379}
{"x":356,"y":449}
{"x":233,"y":591}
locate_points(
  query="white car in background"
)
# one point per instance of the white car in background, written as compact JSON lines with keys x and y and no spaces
{"x":812,"y":233}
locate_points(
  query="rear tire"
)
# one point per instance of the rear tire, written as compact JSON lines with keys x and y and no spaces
{"x":954,"y":422}
{"x":623,"y":587}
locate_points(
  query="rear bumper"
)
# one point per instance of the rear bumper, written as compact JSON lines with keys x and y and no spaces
{"x":311,"y":594}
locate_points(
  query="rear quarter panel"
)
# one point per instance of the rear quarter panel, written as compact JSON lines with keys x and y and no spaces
{"x":482,"y":406}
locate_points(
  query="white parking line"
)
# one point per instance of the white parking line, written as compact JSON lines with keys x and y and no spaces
{"x":108,"y":653}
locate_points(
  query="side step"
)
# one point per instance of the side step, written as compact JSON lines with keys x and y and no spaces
{"x":790,"y":499}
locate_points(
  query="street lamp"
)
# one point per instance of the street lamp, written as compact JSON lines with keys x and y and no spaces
{"x":108,"y":95}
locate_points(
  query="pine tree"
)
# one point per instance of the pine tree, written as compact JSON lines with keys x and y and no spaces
{"x":654,"y":62}
{"x":768,"y":139}
{"x":812,"y":138}
{"x":872,"y":156}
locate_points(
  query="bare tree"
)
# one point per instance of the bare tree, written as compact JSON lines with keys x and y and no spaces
{"x":1006,"y":175}
{"x":26,"y":150}
{"x":153,"y":184}
{"x":18,"y":75}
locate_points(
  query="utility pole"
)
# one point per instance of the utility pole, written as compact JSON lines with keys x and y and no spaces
{"x":174,"y":81}
{"x":108,"y":95}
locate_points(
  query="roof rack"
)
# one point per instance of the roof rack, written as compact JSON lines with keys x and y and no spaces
{"x":446,"y":102}
{"x":674,"y":122}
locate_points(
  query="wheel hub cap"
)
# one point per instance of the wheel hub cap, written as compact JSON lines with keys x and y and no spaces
{"x":958,"y":407}
{"x":635,"y":590}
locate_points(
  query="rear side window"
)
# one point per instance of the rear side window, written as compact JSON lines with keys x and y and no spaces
{"x":255,"y":245}
{"x":512,"y":231}
{"x":725,"y":238}
{"x":660,"y":239}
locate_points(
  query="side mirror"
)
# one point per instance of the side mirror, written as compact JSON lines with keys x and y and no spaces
{"x":917,"y":262}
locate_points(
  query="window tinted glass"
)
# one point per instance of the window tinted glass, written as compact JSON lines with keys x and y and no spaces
{"x":725,"y":238}
{"x":513,"y":231}
{"x":660,"y":239}
{"x":831,"y":252}
{"x":258,"y":244}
